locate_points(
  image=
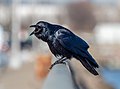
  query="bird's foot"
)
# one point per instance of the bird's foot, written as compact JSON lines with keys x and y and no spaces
{"x":57,"y":62}
{"x":62,"y":62}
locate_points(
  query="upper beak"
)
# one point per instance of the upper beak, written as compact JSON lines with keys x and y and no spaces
{"x":33,"y":26}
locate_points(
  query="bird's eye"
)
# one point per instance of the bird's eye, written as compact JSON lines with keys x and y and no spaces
{"x":41,"y":30}
{"x":36,"y":30}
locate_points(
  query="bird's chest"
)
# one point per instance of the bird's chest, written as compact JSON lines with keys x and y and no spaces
{"x":57,"y":49}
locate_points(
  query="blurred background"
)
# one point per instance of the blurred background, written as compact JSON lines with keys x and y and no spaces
{"x":24,"y":60}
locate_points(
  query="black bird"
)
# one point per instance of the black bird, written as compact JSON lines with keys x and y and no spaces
{"x":64,"y":44}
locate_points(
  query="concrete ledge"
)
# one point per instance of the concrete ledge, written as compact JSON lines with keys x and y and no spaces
{"x":59,"y":77}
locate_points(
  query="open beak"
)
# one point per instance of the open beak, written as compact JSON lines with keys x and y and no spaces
{"x":33,"y":31}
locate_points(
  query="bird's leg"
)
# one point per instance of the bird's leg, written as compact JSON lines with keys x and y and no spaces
{"x":62,"y":60}
{"x":58,"y":62}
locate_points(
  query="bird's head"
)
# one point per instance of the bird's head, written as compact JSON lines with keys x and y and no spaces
{"x":41,"y":30}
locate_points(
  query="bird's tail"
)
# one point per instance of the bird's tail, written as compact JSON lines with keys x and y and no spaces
{"x":88,"y":66}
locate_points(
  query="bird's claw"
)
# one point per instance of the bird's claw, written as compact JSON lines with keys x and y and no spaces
{"x":61,"y":62}
{"x":52,"y":66}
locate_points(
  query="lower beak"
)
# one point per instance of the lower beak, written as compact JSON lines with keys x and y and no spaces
{"x":31,"y":33}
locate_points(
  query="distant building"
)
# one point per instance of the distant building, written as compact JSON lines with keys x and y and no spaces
{"x":107,"y":33}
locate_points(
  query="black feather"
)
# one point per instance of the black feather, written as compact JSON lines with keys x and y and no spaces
{"x":64,"y":43}
{"x":87,"y":65}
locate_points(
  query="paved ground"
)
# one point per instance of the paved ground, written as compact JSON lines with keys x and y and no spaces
{"x":23,"y":78}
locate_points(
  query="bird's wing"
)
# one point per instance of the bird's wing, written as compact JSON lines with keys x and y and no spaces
{"x":66,"y":35}
{"x":70,"y":41}
{"x":74,"y":44}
